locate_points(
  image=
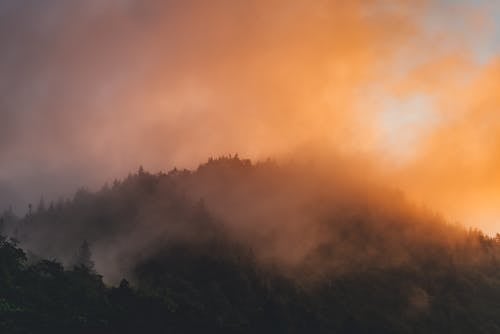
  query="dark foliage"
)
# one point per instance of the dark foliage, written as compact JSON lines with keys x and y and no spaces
{"x":208,"y":280}
{"x":186,"y":290}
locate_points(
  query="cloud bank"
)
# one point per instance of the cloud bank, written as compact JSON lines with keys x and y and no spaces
{"x":90,"y":90}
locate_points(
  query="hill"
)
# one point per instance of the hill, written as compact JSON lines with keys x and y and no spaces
{"x":238,"y":247}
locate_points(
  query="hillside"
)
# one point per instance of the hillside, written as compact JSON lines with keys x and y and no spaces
{"x":238,"y":247}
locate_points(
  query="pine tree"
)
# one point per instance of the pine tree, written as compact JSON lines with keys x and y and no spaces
{"x":41,"y":205}
{"x":84,"y":256}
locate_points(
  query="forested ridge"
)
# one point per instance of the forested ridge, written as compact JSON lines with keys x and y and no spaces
{"x":237,"y":247}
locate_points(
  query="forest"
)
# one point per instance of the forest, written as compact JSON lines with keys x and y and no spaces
{"x":241,"y":247}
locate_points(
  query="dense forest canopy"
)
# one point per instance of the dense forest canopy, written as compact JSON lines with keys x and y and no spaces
{"x":240,"y":247}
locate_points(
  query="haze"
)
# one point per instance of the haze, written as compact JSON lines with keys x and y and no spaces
{"x":90,"y":90}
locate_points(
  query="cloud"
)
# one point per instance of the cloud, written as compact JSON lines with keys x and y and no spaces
{"x":89,"y":90}
{"x":459,"y":159}
{"x":107,"y":86}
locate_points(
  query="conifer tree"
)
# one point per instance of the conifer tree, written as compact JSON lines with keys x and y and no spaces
{"x":84,"y":256}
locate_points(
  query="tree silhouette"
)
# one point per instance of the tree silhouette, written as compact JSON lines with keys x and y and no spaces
{"x":206,"y":280}
{"x":83,"y":256}
{"x":41,"y":205}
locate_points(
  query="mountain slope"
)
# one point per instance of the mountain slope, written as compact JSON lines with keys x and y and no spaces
{"x":242,"y":248}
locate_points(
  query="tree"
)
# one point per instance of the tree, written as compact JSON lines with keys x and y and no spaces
{"x":41,"y":205}
{"x":83,"y":257}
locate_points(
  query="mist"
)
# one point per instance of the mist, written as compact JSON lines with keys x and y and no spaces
{"x":280,"y":166}
{"x":303,"y":219}
{"x":91,"y":90}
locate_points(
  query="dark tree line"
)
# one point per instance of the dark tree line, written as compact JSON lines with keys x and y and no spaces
{"x":372,"y":271}
{"x":218,"y":288}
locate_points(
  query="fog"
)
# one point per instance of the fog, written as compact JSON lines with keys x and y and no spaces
{"x":306,"y":218}
{"x":90,"y":90}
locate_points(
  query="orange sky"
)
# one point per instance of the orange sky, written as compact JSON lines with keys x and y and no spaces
{"x":92,"y":90}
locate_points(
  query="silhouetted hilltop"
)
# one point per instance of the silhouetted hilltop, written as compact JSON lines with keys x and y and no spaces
{"x":240,"y":247}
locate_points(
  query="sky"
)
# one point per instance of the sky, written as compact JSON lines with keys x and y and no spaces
{"x":90,"y":90}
